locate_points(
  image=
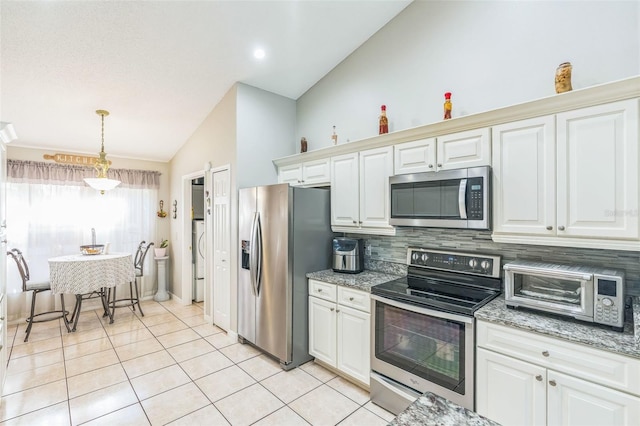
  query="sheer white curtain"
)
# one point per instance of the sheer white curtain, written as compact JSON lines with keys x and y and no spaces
{"x":53,"y":217}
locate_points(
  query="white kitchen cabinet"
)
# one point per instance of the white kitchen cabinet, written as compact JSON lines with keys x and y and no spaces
{"x":524,"y":177}
{"x":554,"y":382}
{"x":322,"y":330}
{"x":415,"y":157}
{"x":597,"y":176}
{"x":339,"y":329}
{"x":360,"y":191}
{"x":309,"y":173}
{"x":569,"y":179}
{"x":575,"y":402}
{"x":458,"y":150}
{"x":471,"y":148}
{"x":510,"y":391}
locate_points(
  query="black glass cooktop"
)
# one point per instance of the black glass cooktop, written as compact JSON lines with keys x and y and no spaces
{"x":442,"y":291}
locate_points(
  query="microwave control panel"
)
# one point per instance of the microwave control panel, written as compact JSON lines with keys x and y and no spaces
{"x":475,"y":199}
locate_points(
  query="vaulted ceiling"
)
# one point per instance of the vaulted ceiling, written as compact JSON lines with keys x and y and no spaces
{"x":159,"y":67}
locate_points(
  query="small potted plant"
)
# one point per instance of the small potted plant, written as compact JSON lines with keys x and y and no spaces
{"x":161,"y":249}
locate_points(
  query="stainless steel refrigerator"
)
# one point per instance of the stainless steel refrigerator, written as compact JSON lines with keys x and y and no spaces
{"x":284,"y":233}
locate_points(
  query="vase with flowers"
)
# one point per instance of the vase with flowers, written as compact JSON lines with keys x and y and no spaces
{"x":161,"y":250}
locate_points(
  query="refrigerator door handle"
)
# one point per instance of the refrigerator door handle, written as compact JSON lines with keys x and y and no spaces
{"x":258,"y":254}
{"x":255,"y":254}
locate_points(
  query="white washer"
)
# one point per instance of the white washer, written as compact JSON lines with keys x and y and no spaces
{"x":198,"y":250}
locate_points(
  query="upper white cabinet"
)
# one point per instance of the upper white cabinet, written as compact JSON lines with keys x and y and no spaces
{"x":464,"y":149}
{"x":309,"y":173}
{"x":598,"y":171}
{"x":454,"y":151}
{"x":569,"y":179}
{"x":524,"y":177}
{"x":415,"y":157}
{"x":360,"y":191}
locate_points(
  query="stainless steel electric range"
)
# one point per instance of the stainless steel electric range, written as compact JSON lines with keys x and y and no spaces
{"x":422,"y":334}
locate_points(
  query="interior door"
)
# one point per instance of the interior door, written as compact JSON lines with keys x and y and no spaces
{"x":3,"y":264}
{"x":221,"y":250}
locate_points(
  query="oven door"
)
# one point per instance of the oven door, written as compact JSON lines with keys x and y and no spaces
{"x":423,"y":350}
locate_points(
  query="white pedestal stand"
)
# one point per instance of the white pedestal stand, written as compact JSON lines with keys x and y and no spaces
{"x":162,"y":294}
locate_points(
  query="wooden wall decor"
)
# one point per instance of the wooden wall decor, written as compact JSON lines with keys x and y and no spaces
{"x":80,"y":160}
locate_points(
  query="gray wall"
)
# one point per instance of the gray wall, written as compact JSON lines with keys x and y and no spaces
{"x":489,"y":54}
{"x":394,"y":249}
{"x":265,"y":123}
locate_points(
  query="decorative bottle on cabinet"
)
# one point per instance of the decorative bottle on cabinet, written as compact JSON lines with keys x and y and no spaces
{"x":563,"y":77}
{"x":384,"y":123}
{"x":447,"y":105}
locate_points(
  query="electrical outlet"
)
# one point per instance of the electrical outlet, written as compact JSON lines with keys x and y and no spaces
{"x":367,"y":249}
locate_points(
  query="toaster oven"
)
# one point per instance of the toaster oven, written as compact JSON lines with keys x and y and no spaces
{"x":584,"y":293}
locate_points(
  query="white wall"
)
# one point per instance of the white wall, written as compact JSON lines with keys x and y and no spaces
{"x":489,"y":54}
{"x":266,"y":123}
{"x":213,"y":141}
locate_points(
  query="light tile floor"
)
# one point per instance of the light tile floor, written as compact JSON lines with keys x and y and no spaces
{"x":168,"y":367}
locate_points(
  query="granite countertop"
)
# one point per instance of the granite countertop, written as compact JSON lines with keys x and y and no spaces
{"x":597,"y":336}
{"x":431,"y":409}
{"x":362,"y":281}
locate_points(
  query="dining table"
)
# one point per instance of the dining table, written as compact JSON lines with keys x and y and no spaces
{"x":86,"y":276}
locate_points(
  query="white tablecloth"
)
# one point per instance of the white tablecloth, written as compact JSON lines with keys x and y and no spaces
{"x":81,"y":274}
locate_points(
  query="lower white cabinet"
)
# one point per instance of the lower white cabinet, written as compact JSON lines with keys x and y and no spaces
{"x":517,"y":389}
{"x":339,"y":328}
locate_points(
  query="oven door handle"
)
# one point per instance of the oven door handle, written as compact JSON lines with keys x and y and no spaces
{"x":424,"y":311}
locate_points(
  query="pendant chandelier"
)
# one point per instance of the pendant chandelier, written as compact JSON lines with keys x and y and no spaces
{"x":101,"y":182}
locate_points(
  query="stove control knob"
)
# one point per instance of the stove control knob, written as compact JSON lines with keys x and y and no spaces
{"x":414,"y":256}
{"x":473,"y":263}
{"x":485,"y":264}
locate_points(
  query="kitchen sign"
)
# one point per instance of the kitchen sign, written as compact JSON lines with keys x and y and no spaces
{"x":80,"y":160}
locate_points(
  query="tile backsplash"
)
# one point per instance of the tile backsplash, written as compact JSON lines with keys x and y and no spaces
{"x":393,"y":249}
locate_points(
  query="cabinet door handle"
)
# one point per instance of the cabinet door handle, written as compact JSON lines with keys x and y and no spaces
{"x":337,"y":310}
{"x":545,"y":353}
{"x":561,"y":228}
{"x":431,"y":166}
{"x":319,"y":290}
{"x":332,"y":309}
{"x":354,"y":222}
{"x":439,"y":165}
{"x":539,"y":378}
{"x":552,"y":382}
{"x":549,"y":228}
{"x":351,"y":299}
{"x":360,"y":222}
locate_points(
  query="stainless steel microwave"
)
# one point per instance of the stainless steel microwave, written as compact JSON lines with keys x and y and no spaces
{"x":458,"y":198}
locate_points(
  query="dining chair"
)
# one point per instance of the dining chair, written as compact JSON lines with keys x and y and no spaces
{"x":36,"y":287}
{"x":138,"y":264}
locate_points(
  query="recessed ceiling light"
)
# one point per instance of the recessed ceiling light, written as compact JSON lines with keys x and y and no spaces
{"x":258,"y":53}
